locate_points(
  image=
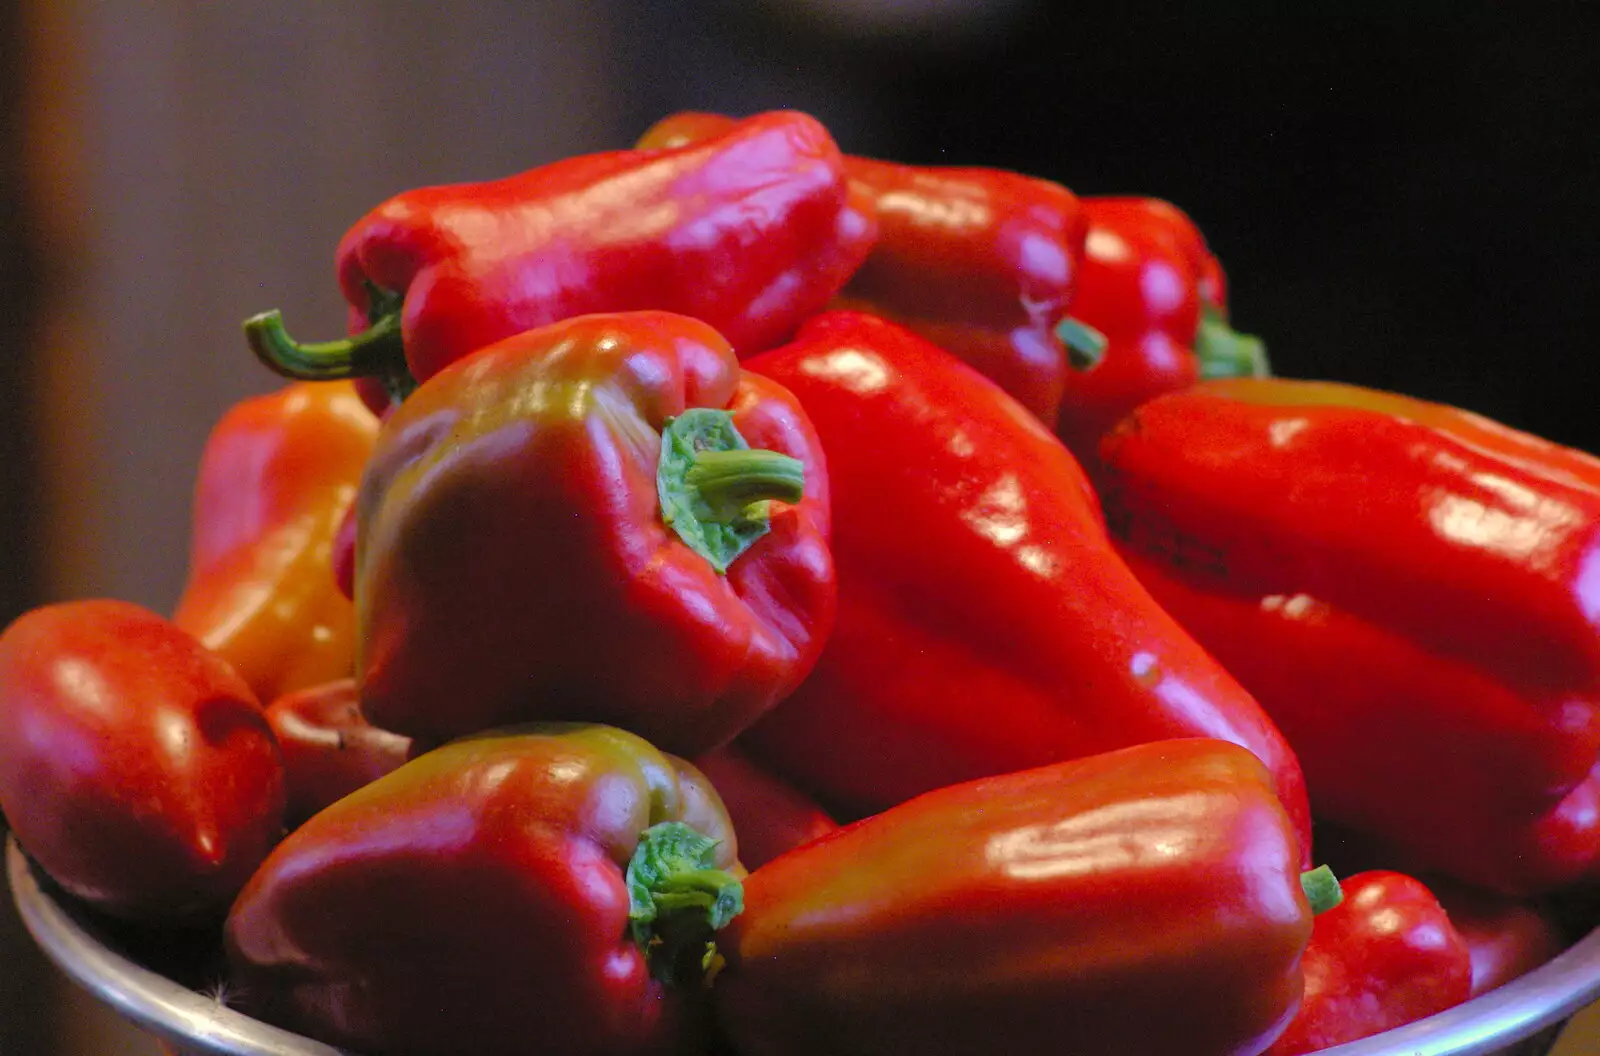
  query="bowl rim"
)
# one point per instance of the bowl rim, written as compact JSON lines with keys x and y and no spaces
{"x":1484,"y":1025}
{"x":149,"y":1000}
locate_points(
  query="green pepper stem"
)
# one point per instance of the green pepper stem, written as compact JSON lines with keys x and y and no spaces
{"x":678,"y":899}
{"x":730,"y":481}
{"x":715,"y":490}
{"x":1322,"y":889}
{"x":1224,"y":352}
{"x":375,"y":351}
{"x":1085,"y":345}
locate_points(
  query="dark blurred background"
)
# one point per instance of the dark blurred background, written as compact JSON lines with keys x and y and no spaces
{"x":1403,"y":196}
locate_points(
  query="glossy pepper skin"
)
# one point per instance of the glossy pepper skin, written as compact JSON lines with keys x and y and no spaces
{"x":329,"y":747}
{"x":981,"y":261}
{"x":771,"y":816}
{"x":985,"y":624}
{"x":751,"y":231}
{"x":514,"y":559}
{"x":1386,"y":956}
{"x":136,"y":767}
{"x":276,"y":478}
{"x":1152,"y":288}
{"x":1142,"y":901}
{"x":478,"y":900}
{"x":1406,"y":588}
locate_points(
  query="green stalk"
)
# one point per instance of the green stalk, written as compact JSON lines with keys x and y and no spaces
{"x":678,"y":900}
{"x":1322,"y":889}
{"x":1224,"y":352}
{"x":715,"y":490}
{"x":376,"y":352}
{"x":1085,"y":345}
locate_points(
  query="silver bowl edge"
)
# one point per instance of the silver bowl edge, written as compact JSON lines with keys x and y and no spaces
{"x":1493,"y":1023}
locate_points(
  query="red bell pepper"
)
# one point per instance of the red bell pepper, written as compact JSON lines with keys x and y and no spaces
{"x":329,"y":747}
{"x":1407,"y":588}
{"x":276,"y":478}
{"x":1146,"y":901}
{"x":751,"y":231}
{"x":985,"y":623}
{"x":1386,"y":956}
{"x":771,"y":816}
{"x":981,"y":261}
{"x":1151,"y":287}
{"x":136,"y":767}
{"x":538,"y":890}
{"x":601,"y":519}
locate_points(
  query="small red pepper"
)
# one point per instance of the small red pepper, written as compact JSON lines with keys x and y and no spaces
{"x":1386,"y":956}
{"x":329,"y":747}
{"x":1407,"y":588}
{"x":771,"y":816}
{"x":136,"y":767}
{"x":1508,"y":938}
{"x":981,"y":261}
{"x":1146,"y":901}
{"x":985,"y":623}
{"x":751,"y":231}
{"x":548,"y":889}
{"x":603,"y":519}
{"x":277,"y":476}
{"x":1151,"y":287}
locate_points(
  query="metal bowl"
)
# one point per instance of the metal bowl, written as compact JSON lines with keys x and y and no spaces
{"x":1521,"y":1018}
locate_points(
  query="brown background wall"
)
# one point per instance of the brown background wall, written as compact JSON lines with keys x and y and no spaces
{"x":1405,"y":197}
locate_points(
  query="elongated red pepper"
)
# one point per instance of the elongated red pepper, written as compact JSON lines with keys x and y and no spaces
{"x":1144,"y":901}
{"x":981,"y":261}
{"x":770,"y":816}
{"x":1407,"y":588}
{"x":1386,"y":956}
{"x":985,"y":623}
{"x":751,"y":231}
{"x":550,"y":889}
{"x":1151,"y":287}
{"x":329,"y":747}
{"x":135,"y":765}
{"x":277,"y":476}
{"x":603,"y":519}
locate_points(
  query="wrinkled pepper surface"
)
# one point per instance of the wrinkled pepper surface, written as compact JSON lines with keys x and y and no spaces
{"x":604,"y":519}
{"x":985,"y":623}
{"x":136,"y":767}
{"x":1144,"y":901}
{"x":1387,"y":955}
{"x":329,"y":747}
{"x":1407,"y":588}
{"x":546,"y":889}
{"x":771,"y":816}
{"x":751,"y":231}
{"x":1152,"y":288}
{"x":981,"y":261}
{"x":277,"y":476}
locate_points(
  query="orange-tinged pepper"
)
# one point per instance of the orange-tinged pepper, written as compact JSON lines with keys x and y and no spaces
{"x":1142,"y":902}
{"x":276,"y":476}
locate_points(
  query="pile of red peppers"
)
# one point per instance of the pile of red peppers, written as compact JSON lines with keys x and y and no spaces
{"x":727,"y":595}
